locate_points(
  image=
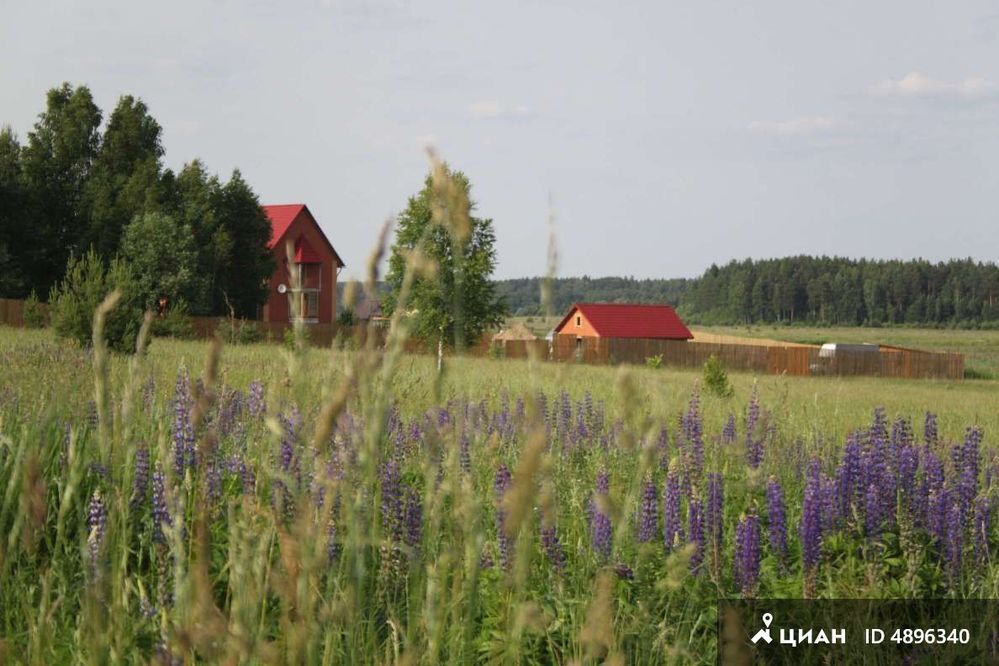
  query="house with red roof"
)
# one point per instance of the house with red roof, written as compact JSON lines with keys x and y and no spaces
{"x":622,"y":320}
{"x":308,"y":275}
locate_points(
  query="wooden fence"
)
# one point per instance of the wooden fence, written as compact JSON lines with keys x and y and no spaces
{"x":798,"y":360}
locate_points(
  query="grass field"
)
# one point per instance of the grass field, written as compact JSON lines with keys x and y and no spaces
{"x":347,"y":507}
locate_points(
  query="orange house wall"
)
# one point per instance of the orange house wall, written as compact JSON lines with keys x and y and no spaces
{"x":584,"y":330}
{"x":278,"y":307}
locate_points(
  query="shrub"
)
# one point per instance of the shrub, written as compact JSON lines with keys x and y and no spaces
{"x":238,"y":332}
{"x":34,"y":311}
{"x":716,"y":379}
{"x":87,"y":282}
{"x":345,"y":318}
{"x":497,"y":350}
{"x":289,"y":337}
{"x":174,"y":324}
{"x":654,"y":362}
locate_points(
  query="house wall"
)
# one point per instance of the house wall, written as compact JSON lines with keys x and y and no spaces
{"x":278,"y":307}
{"x":584,"y":330}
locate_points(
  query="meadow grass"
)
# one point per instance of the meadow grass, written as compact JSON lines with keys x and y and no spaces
{"x":258,"y":505}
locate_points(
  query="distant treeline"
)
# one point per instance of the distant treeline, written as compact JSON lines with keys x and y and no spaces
{"x":812,"y":290}
{"x":523,"y":295}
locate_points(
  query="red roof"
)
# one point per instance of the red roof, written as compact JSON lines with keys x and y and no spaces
{"x":304,"y":254}
{"x":621,"y":320}
{"x":281,"y":217}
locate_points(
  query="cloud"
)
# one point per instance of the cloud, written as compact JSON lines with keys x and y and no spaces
{"x":800,"y":126}
{"x":491,"y":108}
{"x":916,"y":84}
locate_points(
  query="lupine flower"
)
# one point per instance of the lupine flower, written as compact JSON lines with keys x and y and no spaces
{"x":715,"y":512}
{"x":848,"y":476}
{"x":623,"y":571}
{"x":777,"y":521}
{"x":464,"y":454}
{"x":693,"y":433}
{"x":501,"y":484}
{"x":728,"y":432}
{"x":183,"y":429}
{"x":255,"y":404}
{"x":938,"y":514}
{"x":811,"y":524}
{"x":97,"y":522}
{"x":754,"y":432}
{"x":648,"y":512}
{"x":672,"y":530}
{"x":982,"y":525}
{"x":967,"y":469}
{"x":414,"y":520}
{"x":552,"y":546}
{"x":930,"y":430}
{"x":600,"y":524}
{"x":747,"y":553}
{"x":955,"y":541}
{"x":872,"y":513}
{"x":392,"y":508}
{"x":140,"y":482}
{"x":695,"y":526}
{"x":161,"y":512}
{"x":908,"y":465}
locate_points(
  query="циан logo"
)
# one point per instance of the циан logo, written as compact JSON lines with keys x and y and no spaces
{"x":764,"y":634}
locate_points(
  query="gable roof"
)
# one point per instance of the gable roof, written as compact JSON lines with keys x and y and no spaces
{"x":622,"y":320}
{"x":282,"y":215}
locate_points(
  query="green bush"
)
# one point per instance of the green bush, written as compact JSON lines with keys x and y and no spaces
{"x":497,"y":350}
{"x":34,"y":313}
{"x":654,"y":362}
{"x":345,"y":318}
{"x":289,"y":337}
{"x":87,"y":282}
{"x":716,"y":379}
{"x":239,"y":332}
{"x":174,"y":324}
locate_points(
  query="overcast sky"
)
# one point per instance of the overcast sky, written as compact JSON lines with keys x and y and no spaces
{"x":668,"y":135}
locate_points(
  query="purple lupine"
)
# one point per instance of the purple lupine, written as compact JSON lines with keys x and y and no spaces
{"x":967,"y":469}
{"x":830,"y":512}
{"x":623,"y":571}
{"x":392,"y":509}
{"x":930,"y":430}
{"x":931,"y":486}
{"x":413,"y":535}
{"x":464,"y":454}
{"x":982,"y":525}
{"x":693,"y":434}
{"x":872,"y":513}
{"x":648,"y":514}
{"x":938,"y":514}
{"x":672,"y":529}
{"x":213,"y":481}
{"x":747,"y":554}
{"x":600,"y":524}
{"x":777,"y":521}
{"x":908,"y":465}
{"x":728,"y":432}
{"x":552,"y":546}
{"x":97,"y":523}
{"x":848,"y":476}
{"x":662,"y":448}
{"x":256,"y":406}
{"x":183,"y":430}
{"x":501,"y":484}
{"x":877,"y":470}
{"x":755,"y":431}
{"x":954,"y":546}
{"x":811,"y":525}
{"x":140,"y":482}
{"x":695,"y":527}
{"x":161,"y":512}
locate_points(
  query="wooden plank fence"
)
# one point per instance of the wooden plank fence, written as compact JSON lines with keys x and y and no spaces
{"x":797,"y":360}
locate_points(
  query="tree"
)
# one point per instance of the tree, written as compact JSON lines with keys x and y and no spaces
{"x":243,"y":280}
{"x":88,"y":281}
{"x":164,"y":260}
{"x":55,"y":165}
{"x":12,"y":202}
{"x":126,"y":176}
{"x":455,"y":303}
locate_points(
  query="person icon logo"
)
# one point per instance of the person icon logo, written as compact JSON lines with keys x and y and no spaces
{"x":764,"y":634}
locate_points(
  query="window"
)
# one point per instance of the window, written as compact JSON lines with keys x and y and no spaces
{"x":309,"y":275}
{"x":310,"y":305}
{"x":579,"y":321}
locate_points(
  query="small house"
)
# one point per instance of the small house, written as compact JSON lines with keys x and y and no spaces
{"x":621,"y":320}
{"x":308,"y":276}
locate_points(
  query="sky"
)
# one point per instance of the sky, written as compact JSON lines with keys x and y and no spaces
{"x":661,"y":137}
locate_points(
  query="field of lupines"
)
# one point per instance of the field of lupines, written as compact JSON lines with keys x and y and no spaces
{"x":260,"y":505}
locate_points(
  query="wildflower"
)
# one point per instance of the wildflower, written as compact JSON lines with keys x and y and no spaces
{"x":552,"y":546}
{"x":811,"y":525}
{"x":747,"y":553}
{"x":728,"y":432}
{"x":183,"y":429}
{"x":777,"y":521}
{"x":501,"y":484}
{"x":97,"y":522}
{"x":161,"y":513}
{"x":600,"y":524}
{"x":930,"y":430}
{"x":255,"y":404}
{"x":623,"y":571}
{"x":695,"y":527}
{"x":140,"y":482}
{"x":648,"y":512}
{"x":672,"y":529}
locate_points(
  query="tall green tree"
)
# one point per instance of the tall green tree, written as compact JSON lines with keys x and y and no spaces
{"x":12,"y":216}
{"x":244,"y":225}
{"x":163,"y":258}
{"x":455,"y":303}
{"x":55,"y":164}
{"x":126,"y":177}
